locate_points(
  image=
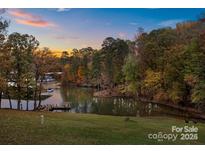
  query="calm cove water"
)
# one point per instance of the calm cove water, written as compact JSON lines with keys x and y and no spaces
{"x":81,"y":100}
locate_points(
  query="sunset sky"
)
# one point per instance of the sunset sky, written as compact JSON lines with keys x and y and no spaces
{"x":63,"y":29}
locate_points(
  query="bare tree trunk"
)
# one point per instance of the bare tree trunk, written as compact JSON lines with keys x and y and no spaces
{"x":10,"y":103}
{"x":27,"y":97}
{"x":35,"y":92}
{"x":18,"y":81}
{"x":18,"y":104}
{"x":35,"y":98}
{"x":39,"y":94}
{"x":0,"y":98}
{"x":8,"y":94}
{"x":27,"y":105}
{"x":39,"y":97}
{"x":19,"y":96}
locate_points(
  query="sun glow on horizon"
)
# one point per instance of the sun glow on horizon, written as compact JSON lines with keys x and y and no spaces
{"x":58,"y":52}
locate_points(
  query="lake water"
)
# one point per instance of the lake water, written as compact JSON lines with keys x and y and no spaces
{"x":81,"y":100}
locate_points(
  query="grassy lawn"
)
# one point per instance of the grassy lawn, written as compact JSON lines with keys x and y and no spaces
{"x":21,"y":127}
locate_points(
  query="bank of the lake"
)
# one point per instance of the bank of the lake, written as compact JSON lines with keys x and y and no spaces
{"x":21,"y":127}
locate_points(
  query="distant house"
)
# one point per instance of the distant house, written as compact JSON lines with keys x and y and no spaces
{"x":48,"y":78}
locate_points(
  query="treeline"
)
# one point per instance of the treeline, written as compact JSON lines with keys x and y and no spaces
{"x":166,"y":64}
{"x":22,"y":66}
{"x":96,"y":67}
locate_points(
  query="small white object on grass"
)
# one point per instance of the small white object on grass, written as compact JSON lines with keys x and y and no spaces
{"x":42,"y":119}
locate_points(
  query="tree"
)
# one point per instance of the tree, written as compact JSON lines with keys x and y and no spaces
{"x":6,"y":73}
{"x":4,"y":65}
{"x":3,"y":84}
{"x":85,"y":55}
{"x":107,"y":58}
{"x":80,"y":74}
{"x":121,"y":50}
{"x":75,"y":63}
{"x":96,"y":68}
{"x":132,"y":74}
{"x":67,"y":76}
{"x":151,"y":83}
{"x":28,"y":89}
{"x":114,"y":52}
{"x":198,"y":94}
{"x":21,"y":47}
{"x":64,"y":58}
{"x":44,"y":62}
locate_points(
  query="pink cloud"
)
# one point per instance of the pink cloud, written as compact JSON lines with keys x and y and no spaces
{"x":21,"y":14}
{"x":35,"y":23}
{"x":29,"y":19}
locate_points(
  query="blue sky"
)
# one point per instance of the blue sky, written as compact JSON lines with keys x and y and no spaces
{"x":63,"y":29}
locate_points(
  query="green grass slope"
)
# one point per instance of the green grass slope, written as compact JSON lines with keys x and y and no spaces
{"x":21,"y":127}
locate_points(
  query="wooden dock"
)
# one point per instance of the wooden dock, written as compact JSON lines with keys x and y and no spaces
{"x":59,"y":108}
{"x":54,"y":108}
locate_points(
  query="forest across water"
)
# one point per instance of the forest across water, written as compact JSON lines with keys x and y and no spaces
{"x":163,"y":65}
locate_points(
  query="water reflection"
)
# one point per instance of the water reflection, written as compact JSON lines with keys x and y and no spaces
{"x":5,"y":104}
{"x":81,"y":100}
